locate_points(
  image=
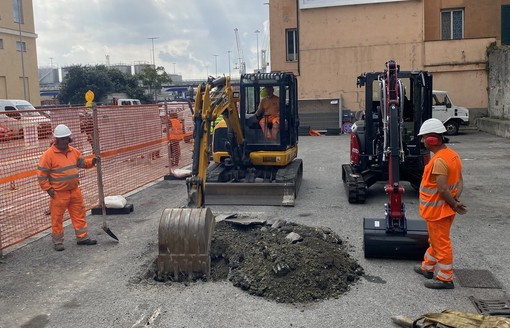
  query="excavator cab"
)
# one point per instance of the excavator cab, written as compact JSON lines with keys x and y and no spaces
{"x":264,"y":170}
{"x":251,"y":90}
{"x":368,"y":165}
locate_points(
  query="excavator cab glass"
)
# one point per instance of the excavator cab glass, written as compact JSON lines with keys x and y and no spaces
{"x":262,"y":114}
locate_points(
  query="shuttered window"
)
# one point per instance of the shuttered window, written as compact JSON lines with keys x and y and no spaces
{"x":452,"y":24}
{"x":292,"y":44}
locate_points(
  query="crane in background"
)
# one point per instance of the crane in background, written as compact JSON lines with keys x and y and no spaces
{"x":241,"y":65}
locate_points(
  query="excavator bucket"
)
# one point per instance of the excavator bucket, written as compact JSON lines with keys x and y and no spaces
{"x":380,"y":243}
{"x":184,"y":242}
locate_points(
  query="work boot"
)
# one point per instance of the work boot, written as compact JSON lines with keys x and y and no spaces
{"x":417,"y":268}
{"x":87,"y":242}
{"x":58,"y":247}
{"x":439,"y":284}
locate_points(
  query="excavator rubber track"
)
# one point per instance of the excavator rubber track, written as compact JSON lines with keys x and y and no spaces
{"x":282,"y":191}
{"x":355,"y":185}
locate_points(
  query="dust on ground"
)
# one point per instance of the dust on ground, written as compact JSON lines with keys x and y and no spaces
{"x":282,"y":261}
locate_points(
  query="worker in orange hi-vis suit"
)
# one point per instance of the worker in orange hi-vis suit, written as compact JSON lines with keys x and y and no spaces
{"x":57,"y":174}
{"x":440,"y":190}
{"x":176,"y":135}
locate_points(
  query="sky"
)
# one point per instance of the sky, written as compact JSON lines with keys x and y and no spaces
{"x":187,"y":34}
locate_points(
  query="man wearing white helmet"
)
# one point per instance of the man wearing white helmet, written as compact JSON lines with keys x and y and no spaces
{"x":440,"y":189}
{"x":57,"y":174}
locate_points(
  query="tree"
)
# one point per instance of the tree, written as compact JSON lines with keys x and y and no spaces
{"x":79,"y":79}
{"x":101,"y":80}
{"x":153,"y":79}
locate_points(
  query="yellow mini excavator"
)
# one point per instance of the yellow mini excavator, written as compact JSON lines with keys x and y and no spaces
{"x":250,"y":167}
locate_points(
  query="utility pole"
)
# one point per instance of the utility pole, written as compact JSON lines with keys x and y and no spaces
{"x":257,"y":33}
{"x":174,"y":68}
{"x":154,"y":64}
{"x":228,"y":52}
{"x":152,"y":40}
{"x":216,"y":64}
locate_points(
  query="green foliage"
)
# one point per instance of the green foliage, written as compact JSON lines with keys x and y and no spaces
{"x":101,"y":80}
{"x":153,"y":78}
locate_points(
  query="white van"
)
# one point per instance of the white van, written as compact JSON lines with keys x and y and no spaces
{"x":12,"y":119}
{"x":128,"y":102}
{"x":451,"y":115}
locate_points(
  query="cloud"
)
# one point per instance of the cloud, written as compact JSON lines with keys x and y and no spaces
{"x":189,"y":33}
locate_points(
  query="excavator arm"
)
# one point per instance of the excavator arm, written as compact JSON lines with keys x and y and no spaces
{"x":213,"y":99}
{"x":392,"y":91}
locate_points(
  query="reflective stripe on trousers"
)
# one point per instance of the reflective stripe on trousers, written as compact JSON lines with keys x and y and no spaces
{"x":440,"y":252}
{"x":71,"y":200}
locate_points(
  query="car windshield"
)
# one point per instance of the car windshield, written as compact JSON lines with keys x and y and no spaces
{"x":24,"y":107}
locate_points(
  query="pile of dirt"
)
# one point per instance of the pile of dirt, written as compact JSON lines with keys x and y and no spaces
{"x":280,"y":261}
{"x":284,"y":262}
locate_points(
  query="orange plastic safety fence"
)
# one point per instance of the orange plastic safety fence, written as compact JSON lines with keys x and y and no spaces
{"x":137,"y":143}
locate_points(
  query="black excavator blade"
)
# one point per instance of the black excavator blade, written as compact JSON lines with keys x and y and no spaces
{"x":378,"y":243}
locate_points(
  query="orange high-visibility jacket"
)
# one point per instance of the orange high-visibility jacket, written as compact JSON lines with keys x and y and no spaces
{"x":176,"y":130}
{"x":432,"y":205}
{"x":59,"y":170}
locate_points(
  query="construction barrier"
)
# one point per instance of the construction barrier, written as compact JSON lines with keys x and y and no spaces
{"x":138,"y":145}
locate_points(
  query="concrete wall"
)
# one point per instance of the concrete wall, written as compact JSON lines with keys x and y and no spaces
{"x":499,"y":81}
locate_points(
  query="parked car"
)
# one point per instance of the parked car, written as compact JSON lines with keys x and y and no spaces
{"x":17,"y":114}
{"x":6,"y":134}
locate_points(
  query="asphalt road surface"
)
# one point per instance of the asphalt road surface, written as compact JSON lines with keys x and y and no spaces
{"x":105,"y":285}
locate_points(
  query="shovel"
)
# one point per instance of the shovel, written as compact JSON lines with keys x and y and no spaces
{"x":97,"y":153}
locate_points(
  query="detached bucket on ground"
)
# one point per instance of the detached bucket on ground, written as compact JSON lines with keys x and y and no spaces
{"x":184,"y":243}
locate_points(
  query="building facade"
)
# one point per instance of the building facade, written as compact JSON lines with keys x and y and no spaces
{"x":18,"y":53}
{"x":328,"y":43}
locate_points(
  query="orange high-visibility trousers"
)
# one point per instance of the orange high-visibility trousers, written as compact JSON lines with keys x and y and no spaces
{"x":439,"y":255}
{"x":71,"y":200}
{"x":265,"y":121}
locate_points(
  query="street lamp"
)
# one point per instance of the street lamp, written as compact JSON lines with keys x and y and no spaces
{"x":216,"y":64}
{"x":257,"y":33}
{"x":228,"y":52}
{"x":152,"y":40}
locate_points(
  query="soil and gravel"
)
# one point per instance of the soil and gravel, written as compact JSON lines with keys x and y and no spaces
{"x":282,"y":261}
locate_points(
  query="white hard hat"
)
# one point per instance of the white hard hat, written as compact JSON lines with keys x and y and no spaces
{"x":61,"y":131}
{"x":432,"y":125}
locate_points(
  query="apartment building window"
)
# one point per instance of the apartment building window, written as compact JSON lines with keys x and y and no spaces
{"x":452,"y":24}
{"x":292,"y":44}
{"x":21,"y":46}
{"x":17,"y":11}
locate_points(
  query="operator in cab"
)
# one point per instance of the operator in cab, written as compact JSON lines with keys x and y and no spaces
{"x":268,"y":113}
